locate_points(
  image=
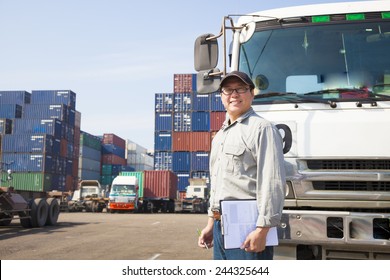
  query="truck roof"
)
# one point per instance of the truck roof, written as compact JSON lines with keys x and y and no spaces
{"x":316,"y":9}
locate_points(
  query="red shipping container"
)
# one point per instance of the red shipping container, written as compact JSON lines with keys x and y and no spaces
{"x":200,"y":141}
{"x":160,"y":184}
{"x":182,"y":83}
{"x":181,"y":141}
{"x":216,"y":120}
{"x":113,"y":159}
{"x":110,"y":138}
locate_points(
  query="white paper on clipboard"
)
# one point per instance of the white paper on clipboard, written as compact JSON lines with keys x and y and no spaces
{"x":239,"y":218}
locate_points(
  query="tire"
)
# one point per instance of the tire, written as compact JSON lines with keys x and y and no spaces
{"x":39,"y":210}
{"x":53,"y":211}
{"x":24,"y":220}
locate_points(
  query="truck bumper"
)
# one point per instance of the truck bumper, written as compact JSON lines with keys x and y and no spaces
{"x":121,"y":206}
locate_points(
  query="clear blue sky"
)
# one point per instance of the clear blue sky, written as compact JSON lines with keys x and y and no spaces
{"x":115,"y":54}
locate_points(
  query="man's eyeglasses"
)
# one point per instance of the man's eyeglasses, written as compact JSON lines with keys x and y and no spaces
{"x":229,"y":91}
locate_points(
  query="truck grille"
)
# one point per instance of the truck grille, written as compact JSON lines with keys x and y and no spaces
{"x":352,"y":186}
{"x":349,"y":164}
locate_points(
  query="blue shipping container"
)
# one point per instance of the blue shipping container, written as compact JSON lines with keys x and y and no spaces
{"x":163,"y":161}
{"x":163,"y":141}
{"x":216,"y":102}
{"x":87,"y":152}
{"x":182,"y":121}
{"x":163,"y":102}
{"x":200,"y":121}
{"x":15,"y":97}
{"x":183,"y":182}
{"x":113,"y":149}
{"x":200,"y":102}
{"x":181,"y":161}
{"x":49,"y":126}
{"x":46,"y":111}
{"x":10,"y":111}
{"x":5,"y":126}
{"x":182,"y":102}
{"x":199,"y":161}
{"x":66,"y":97}
{"x":24,"y":162}
{"x":163,"y":122}
{"x":28,"y":143}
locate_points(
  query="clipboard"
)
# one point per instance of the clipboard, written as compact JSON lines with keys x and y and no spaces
{"x":238,"y":219}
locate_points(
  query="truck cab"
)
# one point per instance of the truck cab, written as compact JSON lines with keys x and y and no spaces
{"x":90,"y":196}
{"x":123,"y":194}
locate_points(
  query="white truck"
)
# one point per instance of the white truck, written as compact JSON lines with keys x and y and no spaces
{"x":196,"y":198}
{"x":123,"y":195}
{"x":89,"y":196}
{"x":322,"y":75}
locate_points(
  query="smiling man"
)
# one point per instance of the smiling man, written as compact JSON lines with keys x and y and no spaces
{"x":246,"y":162}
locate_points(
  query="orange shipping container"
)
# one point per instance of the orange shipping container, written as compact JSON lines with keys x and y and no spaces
{"x":160,"y":184}
{"x":199,"y":141}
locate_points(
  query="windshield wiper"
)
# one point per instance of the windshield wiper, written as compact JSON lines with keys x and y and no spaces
{"x":296,"y":98}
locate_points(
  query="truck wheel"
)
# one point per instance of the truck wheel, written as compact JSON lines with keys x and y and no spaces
{"x":39,"y":209}
{"x":25,"y":221}
{"x":53,"y":211}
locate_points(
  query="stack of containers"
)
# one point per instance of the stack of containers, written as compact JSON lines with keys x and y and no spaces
{"x":189,"y":124}
{"x":90,"y":157}
{"x":113,"y":157}
{"x":138,"y":157}
{"x":41,"y":148}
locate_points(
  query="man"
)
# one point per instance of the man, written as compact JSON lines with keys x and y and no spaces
{"x":246,"y":162}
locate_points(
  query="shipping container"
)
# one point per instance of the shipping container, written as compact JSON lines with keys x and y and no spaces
{"x":10,"y":111}
{"x":113,"y":149}
{"x":30,"y":143}
{"x":160,"y":184}
{"x":184,"y":83}
{"x":32,"y":181}
{"x":89,"y":164}
{"x":46,"y":111}
{"x":200,"y":102}
{"x":65,"y":97}
{"x":182,"y":102}
{"x":113,"y":159}
{"x":90,"y":175}
{"x":163,"y":160}
{"x":163,"y":141}
{"x":48,"y":126}
{"x":106,"y":179}
{"x":5,"y":126}
{"x":26,"y":162}
{"x":90,"y":140}
{"x":181,"y":141}
{"x":182,"y":180}
{"x":182,"y":121}
{"x":216,"y":120}
{"x":200,"y":121}
{"x":110,"y":138}
{"x":163,"y":121}
{"x":163,"y":102}
{"x":19,"y":97}
{"x":200,"y":141}
{"x":216,"y":102}
{"x":199,"y":161}
{"x":58,"y":182}
{"x":181,"y":161}
{"x":87,"y":152}
{"x":111,"y":169}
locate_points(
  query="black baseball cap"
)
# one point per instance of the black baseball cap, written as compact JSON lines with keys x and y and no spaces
{"x":241,"y":75}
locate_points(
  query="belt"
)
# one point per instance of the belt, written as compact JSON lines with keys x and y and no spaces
{"x":217,"y":215}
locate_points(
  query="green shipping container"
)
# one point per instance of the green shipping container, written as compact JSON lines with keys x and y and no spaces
{"x":140,"y":176}
{"x":90,"y":141}
{"x":35,"y":182}
{"x":107,"y":179}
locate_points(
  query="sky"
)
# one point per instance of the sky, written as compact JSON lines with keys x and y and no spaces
{"x":114,"y":54}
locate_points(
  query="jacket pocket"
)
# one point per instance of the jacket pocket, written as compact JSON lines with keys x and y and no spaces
{"x":234,"y":157}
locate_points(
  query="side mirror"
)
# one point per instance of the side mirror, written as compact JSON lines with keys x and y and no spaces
{"x":205,"y":53}
{"x":206,"y":82}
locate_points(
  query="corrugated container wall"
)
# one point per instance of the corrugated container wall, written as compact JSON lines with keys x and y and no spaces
{"x":15,"y":97}
{"x":10,"y":111}
{"x":163,"y":161}
{"x":184,"y":83}
{"x":160,"y":184}
{"x":110,"y":138}
{"x":163,"y":102}
{"x":66,"y":97}
{"x":163,"y":141}
{"x":5,"y":126}
{"x":216,"y":120}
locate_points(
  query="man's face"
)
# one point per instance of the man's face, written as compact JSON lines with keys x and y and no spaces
{"x":236,"y":103}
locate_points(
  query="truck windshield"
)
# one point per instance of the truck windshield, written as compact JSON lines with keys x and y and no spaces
{"x":124,"y":189}
{"x":316,"y":62}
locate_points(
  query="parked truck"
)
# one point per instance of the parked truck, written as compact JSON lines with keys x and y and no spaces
{"x":196,"y":197}
{"x":322,"y":75}
{"x":89,"y":196}
{"x":123,"y":195}
{"x":157,"y":190}
{"x":33,"y":209}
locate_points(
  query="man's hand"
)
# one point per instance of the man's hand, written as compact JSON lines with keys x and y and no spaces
{"x":255,"y":241}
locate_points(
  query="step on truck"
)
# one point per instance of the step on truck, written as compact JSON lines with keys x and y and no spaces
{"x":33,"y":209}
{"x":322,"y":75}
